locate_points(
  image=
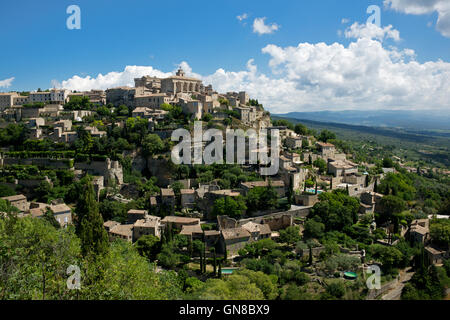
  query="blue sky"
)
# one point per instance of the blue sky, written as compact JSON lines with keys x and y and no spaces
{"x":38,"y":47}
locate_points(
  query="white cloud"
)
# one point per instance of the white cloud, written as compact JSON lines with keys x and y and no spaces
{"x":420,"y":7}
{"x":345,"y":21}
{"x":372,"y":31}
{"x":260,"y":27}
{"x":6,"y":83}
{"x":242,"y":17}
{"x":111,"y":79}
{"x":309,"y":77}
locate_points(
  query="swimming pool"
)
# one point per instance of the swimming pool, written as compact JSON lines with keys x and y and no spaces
{"x":228,"y":270}
{"x":314,"y":191}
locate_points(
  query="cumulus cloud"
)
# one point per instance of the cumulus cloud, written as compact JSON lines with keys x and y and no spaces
{"x":111,"y":79}
{"x":6,"y":83}
{"x":364,"y":75}
{"x":420,"y":7}
{"x":260,"y":27}
{"x":242,"y":17}
{"x":345,"y":21}
{"x":372,"y":31}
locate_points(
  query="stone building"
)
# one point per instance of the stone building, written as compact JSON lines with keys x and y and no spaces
{"x":19,"y":201}
{"x":278,"y":185}
{"x":151,"y":100}
{"x":150,"y":225}
{"x":62,"y":213}
{"x":135,"y":215}
{"x":121,"y":231}
{"x":188,"y":198}
{"x":179,"y":222}
{"x":341,"y":168}
{"x":233,"y":240}
{"x":6,"y":99}
{"x":181,"y":83}
{"x":148,"y":84}
{"x":121,"y":95}
{"x":257,"y":231}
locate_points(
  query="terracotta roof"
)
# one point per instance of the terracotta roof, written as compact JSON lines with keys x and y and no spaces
{"x":434,"y":251}
{"x":189,"y":230}
{"x":134,"y":211}
{"x":37,"y":212}
{"x":149,"y":222}
{"x":59,"y":208}
{"x":325,"y":144}
{"x":187,"y":191}
{"x":15,"y":198}
{"x":235,"y":233}
{"x":209,"y":233}
{"x":229,"y":193}
{"x":253,"y":184}
{"x":167,"y":193}
{"x":122,"y":229}
{"x":109,"y":223}
{"x":176,"y":219}
{"x":256,"y":227}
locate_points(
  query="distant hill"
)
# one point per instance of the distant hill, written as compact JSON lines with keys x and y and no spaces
{"x":418,"y":144}
{"x":417,"y":120}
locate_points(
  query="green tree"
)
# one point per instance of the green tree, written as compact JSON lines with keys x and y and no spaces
{"x":152,"y":145}
{"x":290,"y":235}
{"x":148,"y":246}
{"x":228,"y":206}
{"x":301,"y":129}
{"x":89,"y":222}
{"x":326,"y":135}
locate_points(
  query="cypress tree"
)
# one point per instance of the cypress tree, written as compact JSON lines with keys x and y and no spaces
{"x":215,"y":262}
{"x":204,"y":256}
{"x":89,"y":222}
{"x":375,"y":186}
{"x":346,"y":189}
{"x":310,"y":255}
{"x":331,"y":184}
{"x":201,"y":261}
{"x":220,"y":269}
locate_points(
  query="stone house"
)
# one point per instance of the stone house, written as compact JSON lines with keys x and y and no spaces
{"x":194,"y":232}
{"x":294,"y":142}
{"x":179,"y":222}
{"x":121,"y":231}
{"x":150,"y":225}
{"x":168,"y":197}
{"x":233,"y":240}
{"x":187,"y":198}
{"x":62,"y":213}
{"x":436,"y":255}
{"x":19,"y":201}
{"x":135,"y":215}
{"x":257,"y":231}
{"x":341,"y":168}
{"x":277,"y":184}
{"x":419,"y":230}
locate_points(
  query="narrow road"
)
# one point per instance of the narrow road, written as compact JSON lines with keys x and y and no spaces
{"x":396,"y":292}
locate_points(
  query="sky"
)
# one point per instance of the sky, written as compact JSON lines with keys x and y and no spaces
{"x":292,"y":56}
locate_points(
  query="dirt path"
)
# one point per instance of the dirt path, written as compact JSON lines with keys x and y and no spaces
{"x":396,"y":292}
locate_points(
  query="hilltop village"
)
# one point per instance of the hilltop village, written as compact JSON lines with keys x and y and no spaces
{"x":80,"y":158}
